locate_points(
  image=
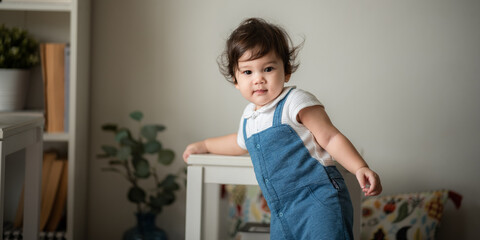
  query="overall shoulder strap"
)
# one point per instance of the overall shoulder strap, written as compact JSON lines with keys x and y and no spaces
{"x":277,"y":116}
{"x":245,"y":130}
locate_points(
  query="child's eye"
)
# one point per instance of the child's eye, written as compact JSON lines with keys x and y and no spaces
{"x":247,"y":72}
{"x":268,"y":69}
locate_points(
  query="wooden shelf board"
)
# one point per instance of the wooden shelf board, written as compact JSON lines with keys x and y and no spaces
{"x":33,"y":6}
{"x":55,"y":137}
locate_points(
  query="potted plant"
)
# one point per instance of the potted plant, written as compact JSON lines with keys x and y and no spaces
{"x":19,"y":51}
{"x":129,"y":158}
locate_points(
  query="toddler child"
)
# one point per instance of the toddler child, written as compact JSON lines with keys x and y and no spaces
{"x":290,"y":139}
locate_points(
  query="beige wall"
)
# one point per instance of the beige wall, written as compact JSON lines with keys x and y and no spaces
{"x":399,"y":78}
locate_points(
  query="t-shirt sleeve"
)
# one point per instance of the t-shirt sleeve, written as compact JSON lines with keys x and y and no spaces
{"x":299,"y":100}
{"x":240,"y":140}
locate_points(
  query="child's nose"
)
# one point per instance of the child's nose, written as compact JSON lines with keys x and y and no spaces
{"x":259,"y":78}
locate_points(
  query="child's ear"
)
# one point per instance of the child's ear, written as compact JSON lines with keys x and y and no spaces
{"x":236,"y":86}
{"x":287,"y":77}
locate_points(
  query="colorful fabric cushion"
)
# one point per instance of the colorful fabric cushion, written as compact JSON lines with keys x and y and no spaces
{"x":404,"y":216}
{"x":245,"y":204}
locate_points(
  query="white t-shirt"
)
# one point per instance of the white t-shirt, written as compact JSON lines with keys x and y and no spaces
{"x":262,"y":119}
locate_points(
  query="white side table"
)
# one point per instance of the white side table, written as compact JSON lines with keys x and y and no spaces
{"x":203,"y":200}
{"x":23,"y":131}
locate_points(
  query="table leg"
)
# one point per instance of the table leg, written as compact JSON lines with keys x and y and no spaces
{"x":211,"y":209}
{"x":2,"y":185}
{"x":193,"y":224}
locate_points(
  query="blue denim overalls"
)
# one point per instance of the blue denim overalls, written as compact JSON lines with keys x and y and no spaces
{"x":306,"y":199}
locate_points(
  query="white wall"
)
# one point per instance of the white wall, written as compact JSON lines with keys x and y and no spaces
{"x":399,"y":78}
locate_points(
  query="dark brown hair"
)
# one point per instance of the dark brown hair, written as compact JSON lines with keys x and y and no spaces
{"x":261,"y":38}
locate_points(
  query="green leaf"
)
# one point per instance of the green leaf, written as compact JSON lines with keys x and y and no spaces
{"x":129,"y":142}
{"x":136,"y":195}
{"x":122,"y":134}
{"x":167,"y":197}
{"x":136,"y":115}
{"x":402,"y":213}
{"x":124,"y":137}
{"x":160,"y":128}
{"x":124,"y":153}
{"x":150,"y":131}
{"x":109,"y":127}
{"x":142,"y":167}
{"x":166,"y":156}
{"x":153,"y":146}
{"x":137,"y":149}
{"x":18,"y":49}
{"x":161,"y":199}
{"x":109,"y":151}
{"x":169,"y":184}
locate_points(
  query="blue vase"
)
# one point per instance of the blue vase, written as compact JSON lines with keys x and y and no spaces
{"x":145,"y":229}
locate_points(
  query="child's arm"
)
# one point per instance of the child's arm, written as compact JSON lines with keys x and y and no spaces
{"x":226,"y":145}
{"x":339,"y":147}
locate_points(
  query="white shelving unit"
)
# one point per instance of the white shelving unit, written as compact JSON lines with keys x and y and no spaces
{"x":62,"y":22}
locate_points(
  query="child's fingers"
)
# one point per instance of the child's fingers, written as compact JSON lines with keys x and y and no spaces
{"x":375,"y":188}
{"x":186,"y":154}
{"x":373,"y":193}
{"x":369,"y":185}
{"x":369,"y":182}
{"x":361,"y":180}
{"x":185,"y":157}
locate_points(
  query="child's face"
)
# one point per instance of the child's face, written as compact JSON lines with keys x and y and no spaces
{"x":260,"y":80}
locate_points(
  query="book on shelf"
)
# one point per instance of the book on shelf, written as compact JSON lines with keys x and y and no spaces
{"x":66,"y":113}
{"x":18,"y":221}
{"x":254,"y":231}
{"x":53,"y":71}
{"x":51,"y":189}
{"x":54,"y":194}
{"x":60,"y":202}
{"x":48,"y":159}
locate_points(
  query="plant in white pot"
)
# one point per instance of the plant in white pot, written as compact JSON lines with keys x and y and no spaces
{"x":19,"y":52}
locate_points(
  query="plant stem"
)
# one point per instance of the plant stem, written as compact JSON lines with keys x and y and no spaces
{"x":132,"y":180}
{"x":155,"y":177}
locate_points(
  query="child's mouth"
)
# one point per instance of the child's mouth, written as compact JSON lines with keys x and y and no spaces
{"x":261,"y":91}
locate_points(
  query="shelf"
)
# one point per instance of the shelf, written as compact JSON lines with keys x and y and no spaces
{"x":55,"y":137}
{"x":32,"y":6}
{"x":62,"y":21}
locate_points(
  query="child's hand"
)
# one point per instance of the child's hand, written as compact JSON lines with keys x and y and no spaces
{"x":369,"y":181}
{"x":197,"y":147}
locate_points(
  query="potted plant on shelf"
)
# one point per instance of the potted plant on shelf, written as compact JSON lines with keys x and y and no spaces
{"x":129,"y":159}
{"x":19,"y":51}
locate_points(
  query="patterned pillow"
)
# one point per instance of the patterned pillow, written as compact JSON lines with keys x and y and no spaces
{"x":245,"y":204}
{"x":404,"y":216}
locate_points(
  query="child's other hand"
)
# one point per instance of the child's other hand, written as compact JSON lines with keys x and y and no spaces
{"x":369,"y":181}
{"x":197,"y":147}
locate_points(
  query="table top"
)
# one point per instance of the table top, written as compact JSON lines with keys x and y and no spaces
{"x":220,"y":160}
{"x":12,"y":123}
{"x":232,"y":161}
